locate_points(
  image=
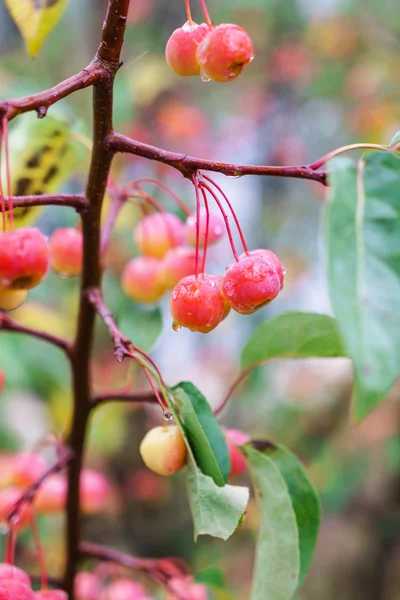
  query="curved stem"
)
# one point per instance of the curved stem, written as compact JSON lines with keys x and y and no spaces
{"x":225,"y":216}
{"x":7,"y":324}
{"x":138,"y":397}
{"x":206,"y":13}
{"x":77,"y":201}
{"x":242,"y":375}
{"x":321,"y":161}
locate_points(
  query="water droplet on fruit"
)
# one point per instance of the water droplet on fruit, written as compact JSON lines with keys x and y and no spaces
{"x":168,"y":416}
{"x":4,"y":528}
{"x":205,"y":78}
{"x":284,"y":271}
{"x":251,"y":59}
{"x":176,"y":327}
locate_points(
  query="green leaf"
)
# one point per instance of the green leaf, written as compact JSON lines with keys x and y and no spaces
{"x":216,"y":510}
{"x":205,"y":435}
{"x":277,"y":567}
{"x":35,"y":20}
{"x":362,"y":229}
{"x":293,"y":335}
{"x":304,"y":497}
{"x":395,"y":139}
{"x":142,"y":326}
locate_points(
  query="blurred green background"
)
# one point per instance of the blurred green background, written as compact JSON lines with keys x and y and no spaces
{"x":326,"y":74}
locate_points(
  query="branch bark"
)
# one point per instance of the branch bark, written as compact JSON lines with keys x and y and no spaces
{"x":136,"y":398}
{"x":7,"y":324}
{"x":77,"y":201}
{"x":189,"y":165}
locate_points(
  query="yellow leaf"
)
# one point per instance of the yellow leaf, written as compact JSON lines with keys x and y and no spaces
{"x":35,"y":19}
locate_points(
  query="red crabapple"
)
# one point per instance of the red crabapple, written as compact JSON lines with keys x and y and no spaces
{"x":235,"y":438}
{"x":268,"y":256}
{"x":8,"y":571}
{"x":163,"y":450}
{"x":141,"y":280}
{"x":11,"y":589}
{"x":216,"y":229}
{"x":197,"y":303}
{"x":218,"y":280}
{"x":52,"y":495}
{"x":180,"y":52}
{"x":178,"y":263}
{"x":24,"y":258}
{"x":27,"y":467}
{"x":94,"y":491}
{"x":2,"y":380}
{"x":66,"y":247}
{"x":12,"y":299}
{"x":50,"y":595}
{"x":157,"y":233}
{"x":8,"y":498}
{"x":225,"y":52}
{"x":250,"y":284}
{"x":124,"y":589}
{"x":87,"y":586}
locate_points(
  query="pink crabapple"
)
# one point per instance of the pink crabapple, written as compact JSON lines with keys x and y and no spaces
{"x":66,"y":246}
{"x":234,"y":438}
{"x":141,"y":279}
{"x":181,"y":48}
{"x":52,"y":495}
{"x":268,"y":256}
{"x":250,"y":284}
{"x":94,"y":491}
{"x":12,"y":299}
{"x":12,"y":589}
{"x":2,"y":380}
{"x":225,"y":52}
{"x":163,"y":450}
{"x":216,"y":229}
{"x":27,"y":467}
{"x":8,"y":572}
{"x":124,"y":589}
{"x":178,"y":263}
{"x":24,"y":258}
{"x":155,"y":234}
{"x":197,"y":303}
{"x":51,"y":595}
{"x":87,"y":586}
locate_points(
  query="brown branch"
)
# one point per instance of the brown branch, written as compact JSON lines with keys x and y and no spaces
{"x":136,"y":398}
{"x":41,"y":102}
{"x":77,"y":201}
{"x":7,"y":324}
{"x":189,"y":165}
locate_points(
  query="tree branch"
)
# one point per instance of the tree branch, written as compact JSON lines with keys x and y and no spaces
{"x":138,"y":397}
{"x":189,"y":165}
{"x":7,"y":324}
{"x":77,"y":201}
{"x":41,"y":102}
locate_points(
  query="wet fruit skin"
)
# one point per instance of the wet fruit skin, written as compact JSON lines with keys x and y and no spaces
{"x":181,"y":48}
{"x":225,"y":52}
{"x":124,"y":589}
{"x":197,"y":304}
{"x":250,"y":284}
{"x":24,"y":258}
{"x":12,"y":299}
{"x":8,"y":572}
{"x":163,"y":450}
{"x":66,"y":251}
{"x":268,"y":256}
{"x":216,"y":229}
{"x":177,"y":263}
{"x":87,"y":586}
{"x":156,"y":234}
{"x":141,"y":279}
{"x":12,"y":589}
{"x":50,"y":595}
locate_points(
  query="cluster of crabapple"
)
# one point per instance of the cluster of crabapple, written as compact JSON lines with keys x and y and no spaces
{"x":26,"y":256}
{"x":164,"y":451}
{"x":219,"y":53}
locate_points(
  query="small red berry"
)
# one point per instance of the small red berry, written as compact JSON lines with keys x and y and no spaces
{"x":51,"y":595}
{"x":177,"y":263}
{"x":12,"y":299}
{"x":250,"y":284}
{"x":225,"y":52}
{"x":94,"y":491}
{"x":216,"y":229}
{"x":27,"y":467}
{"x":66,"y":251}
{"x":141,"y":279}
{"x":156,"y":234}
{"x":24,"y":258}
{"x":87,"y":586}
{"x":268,"y":256}
{"x":197,"y":303}
{"x":163,"y":450}
{"x":235,"y":438}
{"x":182,"y":46}
{"x":52,"y":495}
{"x":12,"y":589}
{"x":8,"y":572}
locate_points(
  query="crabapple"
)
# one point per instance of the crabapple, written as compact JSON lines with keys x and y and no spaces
{"x":12,"y":299}
{"x":225,"y":52}
{"x":141,"y":279}
{"x":66,"y":247}
{"x":87,"y":586}
{"x":234,"y":438}
{"x":178,"y":263}
{"x":250,"y":284}
{"x":180,"y":51}
{"x":197,"y":303}
{"x":24,"y":258}
{"x":27,"y":467}
{"x":12,"y":589}
{"x":94,"y":491}
{"x":10,"y":572}
{"x":218,"y":280}
{"x":215,"y":229}
{"x":52,"y":495}
{"x":124,"y":589}
{"x":8,"y":498}
{"x":51,"y":595}
{"x":2,"y":380}
{"x":157,"y":233}
{"x":163,"y":450}
{"x":268,"y":256}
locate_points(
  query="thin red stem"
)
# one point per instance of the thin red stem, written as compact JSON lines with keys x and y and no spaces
{"x":231,"y":209}
{"x":197,"y":190}
{"x":40,"y":553}
{"x":188,"y":12}
{"x":226,"y":219}
{"x":166,"y":189}
{"x":8,"y":173}
{"x":206,"y":13}
{"x":203,"y":266}
{"x":155,"y":390}
{"x":11,"y":544}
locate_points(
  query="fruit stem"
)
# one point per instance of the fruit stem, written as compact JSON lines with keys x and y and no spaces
{"x":203,"y":266}
{"x":197,"y":190}
{"x":232,"y":211}
{"x":8,"y":175}
{"x":40,"y":553}
{"x":206,"y":13}
{"x":188,"y":11}
{"x":165,"y":189}
{"x":160,"y":401}
{"x":225,"y":216}
{"x":11,"y":543}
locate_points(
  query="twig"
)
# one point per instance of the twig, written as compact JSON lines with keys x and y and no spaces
{"x":7,"y":324}
{"x":136,"y":398}
{"x":76,"y":201}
